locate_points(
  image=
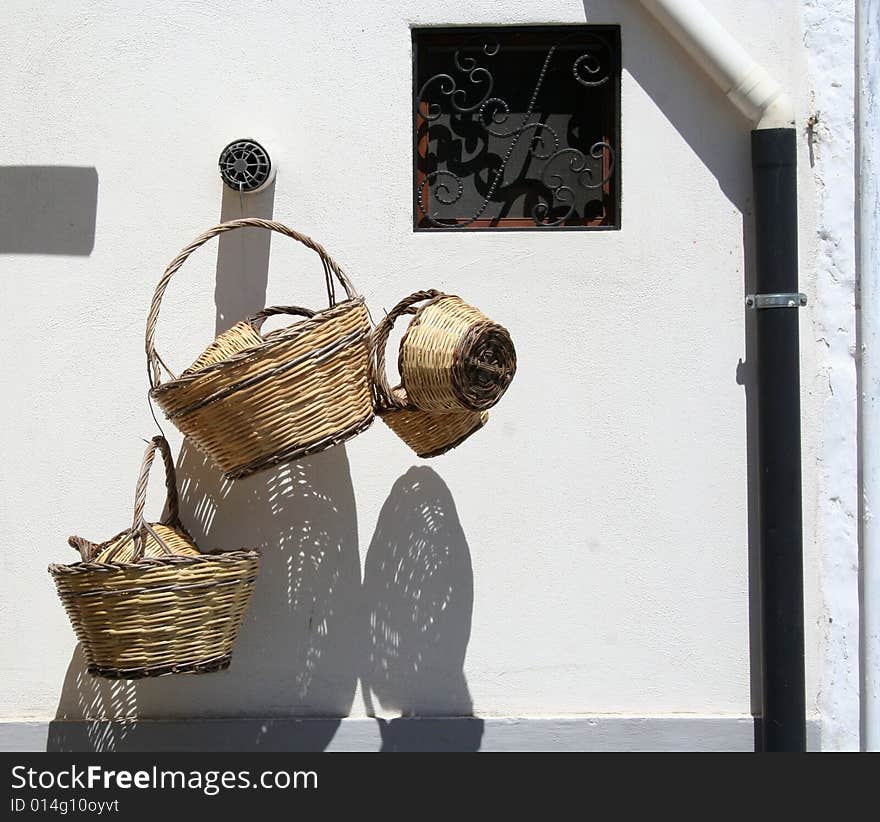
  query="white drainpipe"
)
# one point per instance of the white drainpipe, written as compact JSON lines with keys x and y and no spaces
{"x":868,"y":228}
{"x":748,"y":86}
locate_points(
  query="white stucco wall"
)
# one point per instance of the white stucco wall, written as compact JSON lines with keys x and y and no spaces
{"x":868,"y":52}
{"x":830,"y":40}
{"x":605,"y":506}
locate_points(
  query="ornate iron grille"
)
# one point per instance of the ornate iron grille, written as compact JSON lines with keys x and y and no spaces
{"x":516,"y":127}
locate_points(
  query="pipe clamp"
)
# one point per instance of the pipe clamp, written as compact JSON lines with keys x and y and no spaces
{"x":757,"y":301}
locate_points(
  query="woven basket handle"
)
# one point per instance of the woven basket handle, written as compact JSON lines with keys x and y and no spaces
{"x":331,"y":270}
{"x":140,"y":494}
{"x":139,"y":524}
{"x":87,"y":550}
{"x":384,"y":396}
{"x":257,"y":320}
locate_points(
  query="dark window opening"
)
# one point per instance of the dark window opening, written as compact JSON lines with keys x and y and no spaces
{"x":516,"y":127}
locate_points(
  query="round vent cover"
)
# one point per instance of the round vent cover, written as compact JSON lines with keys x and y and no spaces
{"x":245,"y":166}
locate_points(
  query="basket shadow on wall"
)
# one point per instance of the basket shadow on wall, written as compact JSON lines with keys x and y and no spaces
{"x":297,"y":653}
{"x":418,"y":596}
{"x":406,"y":630}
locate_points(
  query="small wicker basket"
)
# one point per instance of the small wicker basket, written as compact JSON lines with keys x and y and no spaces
{"x":454,"y":358}
{"x":146,"y":602}
{"x":428,"y":434}
{"x":253,"y":400}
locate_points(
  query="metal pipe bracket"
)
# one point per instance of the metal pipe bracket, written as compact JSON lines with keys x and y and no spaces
{"x":757,"y":301}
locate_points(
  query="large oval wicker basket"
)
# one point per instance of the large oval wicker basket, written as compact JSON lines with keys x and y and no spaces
{"x":146,"y":602}
{"x":428,"y":434}
{"x":253,"y":400}
{"x":454,"y":358}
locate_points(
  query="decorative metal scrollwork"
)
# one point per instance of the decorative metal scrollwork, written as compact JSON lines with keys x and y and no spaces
{"x":583,"y":173}
{"x":466,"y":93}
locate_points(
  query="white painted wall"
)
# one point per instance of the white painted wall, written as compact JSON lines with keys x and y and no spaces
{"x":829,"y":35}
{"x":868,"y":56}
{"x":603,"y":566}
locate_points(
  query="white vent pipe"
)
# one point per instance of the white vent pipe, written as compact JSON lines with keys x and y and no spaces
{"x":748,"y":86}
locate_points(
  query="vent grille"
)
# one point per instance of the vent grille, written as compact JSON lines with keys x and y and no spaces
{"x":245,"y":165}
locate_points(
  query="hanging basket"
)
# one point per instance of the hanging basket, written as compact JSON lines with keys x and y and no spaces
{"x":428,"y":434}
{"x":454,"y":358}
{"x":146,"y":602}
{"x":253,"y":400}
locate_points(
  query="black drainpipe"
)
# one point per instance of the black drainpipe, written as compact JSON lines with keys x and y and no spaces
{"x":776,"y":304}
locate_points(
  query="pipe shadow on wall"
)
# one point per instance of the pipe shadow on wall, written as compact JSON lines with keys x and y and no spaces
{"x":418,"y":597}
{"x":746,"y":376}
{"x":242,"y":258}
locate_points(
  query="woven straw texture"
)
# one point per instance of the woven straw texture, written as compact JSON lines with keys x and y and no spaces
{"x":122,"y":547}
{"x":454,"y":358}
{"x":147,"y":603}
{"x":298,"y":390}
{"x":428,"y":434}
{"x":242,"y":335}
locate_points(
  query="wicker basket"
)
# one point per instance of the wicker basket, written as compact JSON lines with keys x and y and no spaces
{"x":146,"y":602}
{"x":454,"y":358}
{"x":253,"y":400}
{"x":242,"y":335}
{"x":428,"y":434}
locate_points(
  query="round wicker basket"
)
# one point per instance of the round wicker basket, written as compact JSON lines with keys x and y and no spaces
{"x":428,"y":434}
{"x":146,"y":602}
{"x":253,"y":400}
{"x":454,"y":358}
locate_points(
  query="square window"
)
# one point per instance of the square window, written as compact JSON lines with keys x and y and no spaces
{"x":516,"y":127}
